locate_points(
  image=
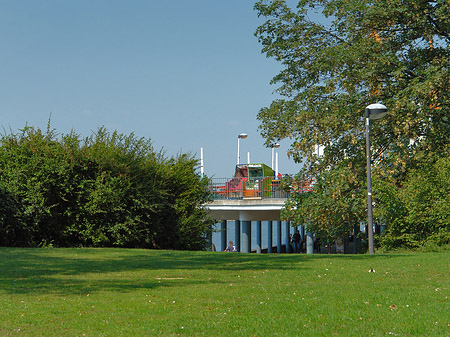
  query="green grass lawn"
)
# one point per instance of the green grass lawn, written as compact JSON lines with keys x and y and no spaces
{"x":134,"y":292}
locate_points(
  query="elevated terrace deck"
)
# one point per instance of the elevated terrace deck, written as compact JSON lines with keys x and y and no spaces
{"x":245,"y":188}
{"x":252,"y":199}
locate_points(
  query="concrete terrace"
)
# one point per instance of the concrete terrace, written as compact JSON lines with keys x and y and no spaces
{"x":247,"y":209}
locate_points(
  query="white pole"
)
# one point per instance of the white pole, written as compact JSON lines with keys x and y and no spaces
{"x":202,"y":167}
{"x":276,"y":165}
{"x":238,"y":152}
{"x":272,"y":157}
{"x":243,"y":136}
{"x":248,"y":157}
{"x":273,"y":146}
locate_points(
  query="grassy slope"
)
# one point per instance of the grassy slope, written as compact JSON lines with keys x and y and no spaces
{"x":120,"y":292}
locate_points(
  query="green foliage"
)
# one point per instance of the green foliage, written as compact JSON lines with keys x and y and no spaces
{"x":333,"y":207}
{"x":339,"y":56}
{"x":418,"y":210}
{"x":13,"y":232}
{"x":183,"y":219}
{"x":107,"y":190}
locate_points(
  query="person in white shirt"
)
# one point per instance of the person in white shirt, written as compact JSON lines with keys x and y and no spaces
{"x":231,"y":247}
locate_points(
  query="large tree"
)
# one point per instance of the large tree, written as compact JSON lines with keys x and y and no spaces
{"x":339,"y":56}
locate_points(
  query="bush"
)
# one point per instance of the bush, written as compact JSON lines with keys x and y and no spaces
{"x":13,"y":232}
{"x":107,"y":190}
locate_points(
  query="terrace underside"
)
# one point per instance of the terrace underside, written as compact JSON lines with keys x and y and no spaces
{"x":247,"y":209}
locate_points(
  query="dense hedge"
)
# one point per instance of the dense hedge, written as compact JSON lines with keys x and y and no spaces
{"x":105,"y":190}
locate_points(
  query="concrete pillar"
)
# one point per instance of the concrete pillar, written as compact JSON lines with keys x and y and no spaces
{"x":356,"y":240}
{"x":223,"y":235}
{"x":237,"y":234}
{"x":246,"y":236}
{"x":278,"y":237}
{"x":309,"y":243}
{"x":376,"y":228}
{"x":303,"y":241}
{"x":210,"y":240}
{"x":286,"y":236}
{"x":269,"y":236}
{"x":258,"y":237}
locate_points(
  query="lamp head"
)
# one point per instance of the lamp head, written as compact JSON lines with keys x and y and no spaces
{"x":375,"y":111}
{"x":243,"y":136}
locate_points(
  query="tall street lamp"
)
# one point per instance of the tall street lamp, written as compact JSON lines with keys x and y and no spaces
{"x":273,"y":146}
{"x":240,"y":136}
{"x":373,"y":111}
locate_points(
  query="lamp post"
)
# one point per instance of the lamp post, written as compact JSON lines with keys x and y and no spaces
{"x":273,"y":146}
{"x":202,"y":167}
{"x":240,"y":136}
{"x":373,"y":111}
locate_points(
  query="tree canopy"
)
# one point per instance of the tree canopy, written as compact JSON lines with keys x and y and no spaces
{"x":339,"y":56}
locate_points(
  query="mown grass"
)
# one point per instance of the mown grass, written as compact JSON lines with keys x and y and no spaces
{"x":132,"y":292}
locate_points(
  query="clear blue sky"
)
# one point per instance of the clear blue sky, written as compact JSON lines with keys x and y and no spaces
{"x":185,"y":74}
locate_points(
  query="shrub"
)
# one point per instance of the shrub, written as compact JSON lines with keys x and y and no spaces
{"x":107,"y":190}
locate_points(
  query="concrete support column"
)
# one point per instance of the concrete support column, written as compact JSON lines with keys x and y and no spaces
{"x":376,"y":228}
{"x":286,"y":236}
{"x":246,"y":236}
{"x":237,"y":234}
{"x":356,"y":230}
{"x":269,"y":236}
{"x":301,"y":229}
{"x":309,"y":243}
{"x":210,"y":239}
{"x":223,"y":235}
{"x":258,"y":237}
{"x":278,"y":237}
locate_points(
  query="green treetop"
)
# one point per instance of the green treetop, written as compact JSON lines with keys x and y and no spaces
{"x":340,"y":56}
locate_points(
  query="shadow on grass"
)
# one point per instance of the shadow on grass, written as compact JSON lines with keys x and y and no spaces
{"x":84,"y":271}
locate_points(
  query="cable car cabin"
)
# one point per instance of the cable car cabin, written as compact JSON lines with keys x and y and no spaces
{"x":251,"y":180}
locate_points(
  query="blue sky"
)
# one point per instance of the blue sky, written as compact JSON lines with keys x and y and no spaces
{"x":186,"y":74}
